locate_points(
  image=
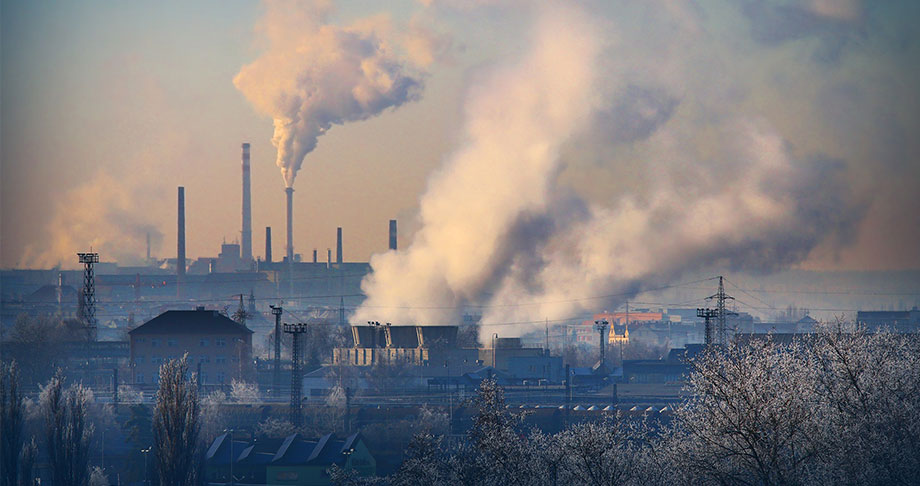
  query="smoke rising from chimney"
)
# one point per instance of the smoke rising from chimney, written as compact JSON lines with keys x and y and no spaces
{"x":314,"y":74}
{"x":499,"y":231}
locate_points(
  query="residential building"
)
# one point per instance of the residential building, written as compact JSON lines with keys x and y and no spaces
{"x":218,"y":348}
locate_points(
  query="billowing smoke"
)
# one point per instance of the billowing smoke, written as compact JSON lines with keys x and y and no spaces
{"x":314,"y":74}
{"x":697,"y":178}
{"x":109,"y":215}
{"x":516,"y":122}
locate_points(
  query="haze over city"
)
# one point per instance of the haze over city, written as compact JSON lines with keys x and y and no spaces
{"x":607,"y":190}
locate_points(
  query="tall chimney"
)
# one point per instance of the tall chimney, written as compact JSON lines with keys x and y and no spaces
{"x":290,"y":223}
{"x":180,"y":236}
{"x":268,"y":244}
{"x":338,"y":245}
{"x":392,"y":234}
{"x":148,"y":248}
{"x":246,"y":243}
{"x":328,"y":257}
{"x":314,"y":255}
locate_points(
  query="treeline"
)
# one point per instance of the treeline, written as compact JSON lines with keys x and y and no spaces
{"x":62,"y":430}
{"x":842,"y":407}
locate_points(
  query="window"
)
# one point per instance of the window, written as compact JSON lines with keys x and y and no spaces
{"x":220,"y":359}
{"x":140,"y":378}
{"x":155,"y":360}
{"x":142,"y":340}
{"x":204,"y":378}
{"x":170,"y":342}
{"x":204,"y":342}
{"x":220,"y":342}
{"x":155,"y":342}
{"x":139,"y":359}
{"x":203,"y":358}
{"x":220,"y":377}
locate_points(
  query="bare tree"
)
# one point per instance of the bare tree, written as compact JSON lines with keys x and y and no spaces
{"x":10,"y":424}
{"x":67,"y":432}
{"x":176,"y":425}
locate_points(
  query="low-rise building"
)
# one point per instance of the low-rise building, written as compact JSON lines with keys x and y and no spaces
{"x":218,"y":348}
{"x":293,"y":460}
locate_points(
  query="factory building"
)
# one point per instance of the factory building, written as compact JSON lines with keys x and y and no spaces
{"x":217,"y":346}
{"x":435,"y":350}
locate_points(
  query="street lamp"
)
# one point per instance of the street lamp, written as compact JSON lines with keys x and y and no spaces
{"x":146,"y":452}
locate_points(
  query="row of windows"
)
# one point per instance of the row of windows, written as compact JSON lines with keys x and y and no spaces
{"x":157,"y":342}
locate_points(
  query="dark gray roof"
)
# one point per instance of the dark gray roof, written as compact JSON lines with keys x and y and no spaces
{"x":198,"y":321}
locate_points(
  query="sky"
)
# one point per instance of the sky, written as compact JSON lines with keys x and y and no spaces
{"x":108,"y":107}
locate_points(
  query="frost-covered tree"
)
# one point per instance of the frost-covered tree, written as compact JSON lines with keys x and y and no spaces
{"x":11,"y":419}
{"x":244,"y":392}
{"x":67,"y":432}
{"x":600,"y":453}
{"x":749,"y":418}
{"x":176,"y":425}
{"x":27,"y":462}
{"x":868,"y":388}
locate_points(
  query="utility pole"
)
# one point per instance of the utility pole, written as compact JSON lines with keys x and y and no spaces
{"x":296,"y":331}
{"x":276,"y":372}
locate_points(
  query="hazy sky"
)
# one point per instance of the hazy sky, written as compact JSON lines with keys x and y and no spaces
{"x":108,"y":106}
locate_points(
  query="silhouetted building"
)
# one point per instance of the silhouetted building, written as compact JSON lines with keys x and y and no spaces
{"x":221,"y":346}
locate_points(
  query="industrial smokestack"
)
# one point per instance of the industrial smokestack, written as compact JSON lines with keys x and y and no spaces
{"x":180,"y":236}
{"x":314,"y":255}
{"x":268,"y":244}
{"x":290,"y":223}
{"x":338,"y":245}
{"x":246,"y":243}
{"x":392,"y":234}
{"x":328,"y":257}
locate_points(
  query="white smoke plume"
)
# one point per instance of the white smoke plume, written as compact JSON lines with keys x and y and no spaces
{"x":313,"y":74}
{"x":517,"y":120}
{"x":706,"y":183}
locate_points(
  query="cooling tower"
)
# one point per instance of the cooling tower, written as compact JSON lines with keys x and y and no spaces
{"x":180,"y":235}
{"x":392,"y":234}
{"x":246,"y":232}
{"x":290,"y":224}
{"x":338,"y":245}
{"x":268,"y":244}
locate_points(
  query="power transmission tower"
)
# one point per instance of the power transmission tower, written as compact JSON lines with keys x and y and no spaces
{"x":719,"y":314}
{"x":296,"y":331}
{"x":276,"y":373}
{"x":88,"y":294}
